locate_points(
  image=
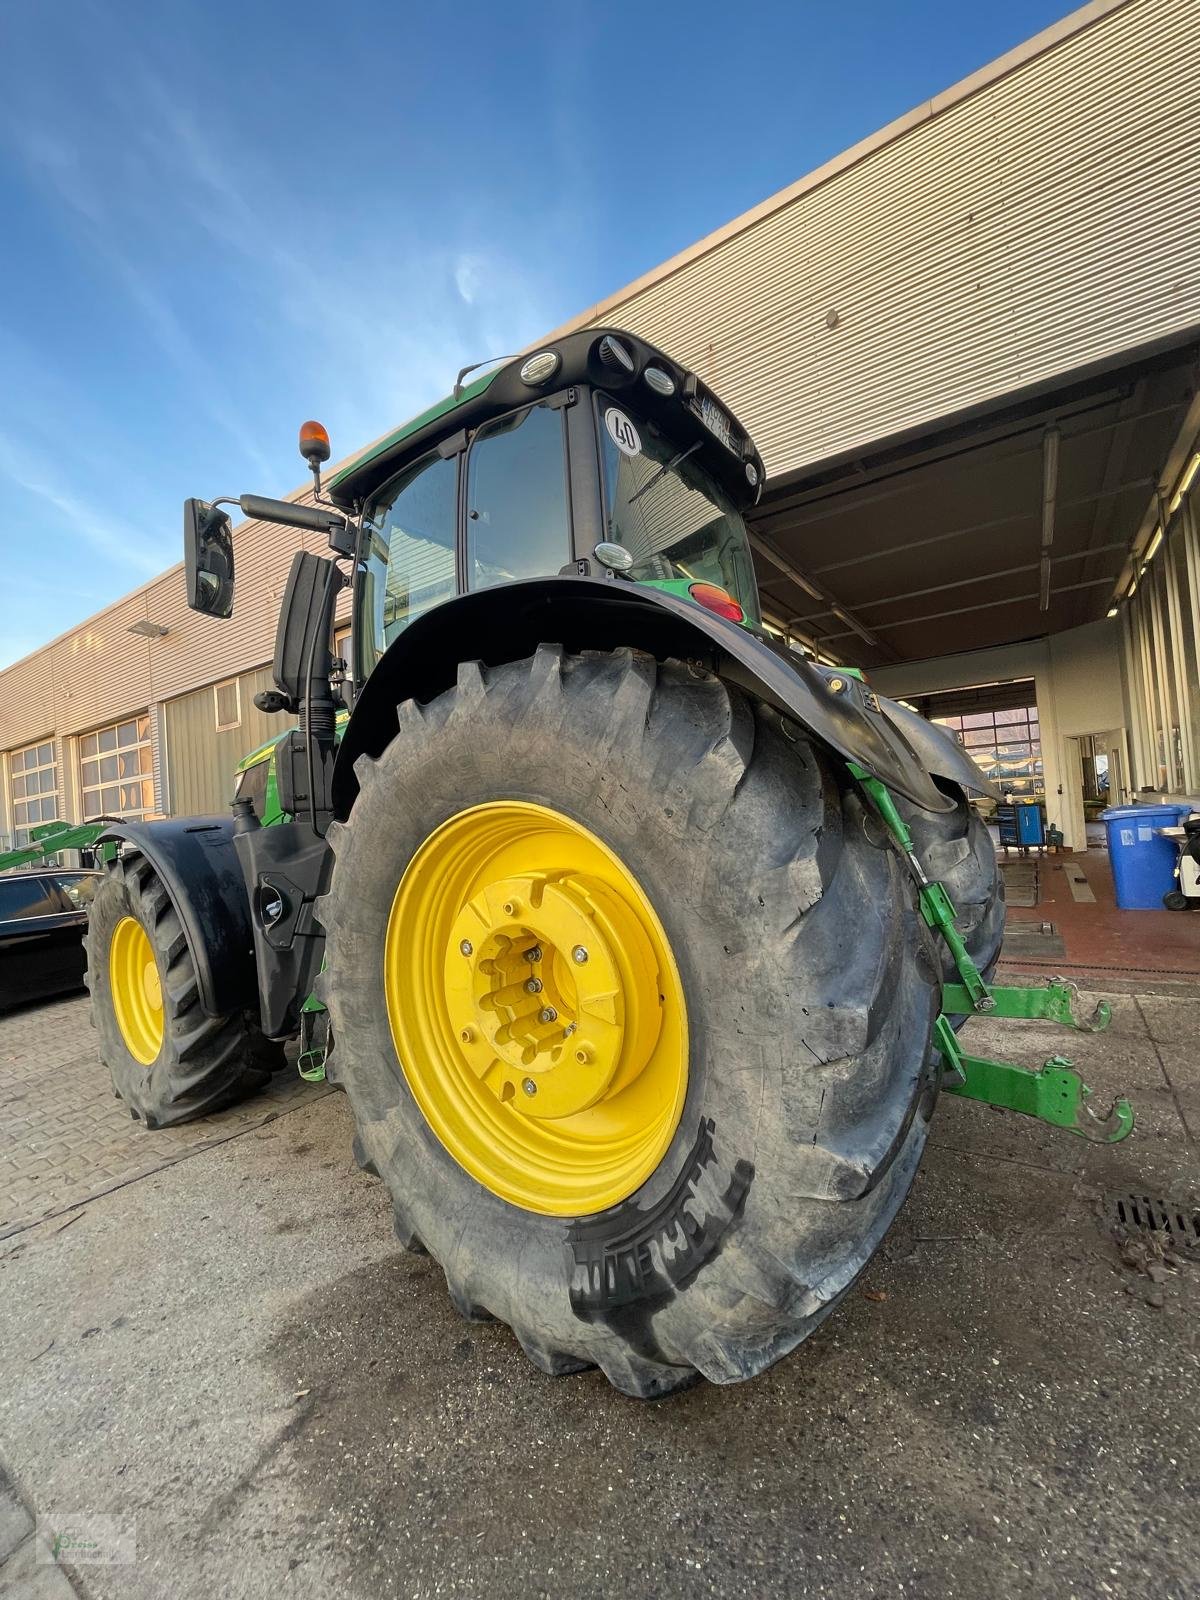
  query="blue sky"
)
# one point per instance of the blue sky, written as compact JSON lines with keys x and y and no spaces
{"x":224,"y":218}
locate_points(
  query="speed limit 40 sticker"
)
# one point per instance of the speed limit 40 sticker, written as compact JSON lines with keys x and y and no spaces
{"x":622,"y":432}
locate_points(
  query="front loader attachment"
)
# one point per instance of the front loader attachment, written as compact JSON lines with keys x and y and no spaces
{"x":51,"y":837}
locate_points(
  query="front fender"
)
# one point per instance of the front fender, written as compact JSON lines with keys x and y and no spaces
{"x":199,"y":868}
{"x":509,"y":622}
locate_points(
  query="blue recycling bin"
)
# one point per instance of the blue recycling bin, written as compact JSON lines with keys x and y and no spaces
{"x":1143,"y":862}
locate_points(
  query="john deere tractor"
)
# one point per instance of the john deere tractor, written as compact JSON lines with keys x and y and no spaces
{"x":636,"y":940}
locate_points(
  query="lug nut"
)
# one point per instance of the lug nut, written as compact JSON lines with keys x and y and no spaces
{"x":467,"y":1035}
{"x":547,"y":1014}
{"x":529,"y":1086}
{"x":466,"y":947}
{"x":579,"y":955}
{"x":583,"y":1055}
{"x":511,"y":907}
{"x":533,"y":986}
{"x":535,"y":954}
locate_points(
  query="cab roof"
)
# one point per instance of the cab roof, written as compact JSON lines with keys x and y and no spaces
{"x":582,"y":359}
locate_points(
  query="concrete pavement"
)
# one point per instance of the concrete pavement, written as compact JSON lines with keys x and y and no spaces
{"x":230,"y":1352}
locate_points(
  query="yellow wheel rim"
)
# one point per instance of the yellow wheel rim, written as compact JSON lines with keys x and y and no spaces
{"x":136,"y":990}
{"x":536,"y":1008}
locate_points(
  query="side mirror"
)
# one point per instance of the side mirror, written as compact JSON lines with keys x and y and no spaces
{"x":208,"y":558}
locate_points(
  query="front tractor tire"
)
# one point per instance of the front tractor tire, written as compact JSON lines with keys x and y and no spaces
{"x":170,"y":1062}
{"x":633,"y":1010}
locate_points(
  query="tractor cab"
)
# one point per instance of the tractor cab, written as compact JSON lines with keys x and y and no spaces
{"x":597,"y":455}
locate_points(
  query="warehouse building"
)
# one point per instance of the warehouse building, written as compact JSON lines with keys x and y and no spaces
{"x":969,"y":351}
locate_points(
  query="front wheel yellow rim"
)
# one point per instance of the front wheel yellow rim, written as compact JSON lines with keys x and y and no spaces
{"x":136,"y":990}
{"x":536,"y":1008}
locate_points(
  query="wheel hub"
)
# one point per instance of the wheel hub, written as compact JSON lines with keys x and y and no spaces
{"x":536,"y":1008}
{"x":136,"y":990}
{"x":532,"y":1015}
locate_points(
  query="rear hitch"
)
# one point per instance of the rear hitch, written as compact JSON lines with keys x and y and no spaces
{"x":1051,"y":1002}
{"x":1054,"y":1092}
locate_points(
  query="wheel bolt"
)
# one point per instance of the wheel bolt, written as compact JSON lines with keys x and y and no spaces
{"x":533,"y":986}
{"x":466,"y":947}
{"x":547,"y":1014}
{"x":579,"y":955}
{"x":511,"y":907}
{"x":467,"y":1035}
{"x":583,"y":1055}
{"x":529,"y":1086}
{"x":535,"y":954}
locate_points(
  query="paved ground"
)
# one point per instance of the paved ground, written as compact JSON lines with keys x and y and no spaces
{"x":1090,"y":936}
{"x":229,"y":1353}
{"x":64,"y":1138}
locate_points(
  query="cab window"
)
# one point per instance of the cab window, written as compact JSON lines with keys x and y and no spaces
{"x":518,"y":516}
{"x":410,"y":562}
{"x":673,"y":517}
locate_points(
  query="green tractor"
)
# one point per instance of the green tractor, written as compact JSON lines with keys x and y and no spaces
{"x":636,"y":940}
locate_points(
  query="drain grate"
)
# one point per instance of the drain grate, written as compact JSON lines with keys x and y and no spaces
{"x":1179,"y":1218}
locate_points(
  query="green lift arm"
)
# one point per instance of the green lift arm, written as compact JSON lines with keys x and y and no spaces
{"x":1054,"y":1092}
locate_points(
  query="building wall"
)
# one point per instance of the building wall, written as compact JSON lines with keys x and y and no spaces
{"x":201,"y":758}
{"x":1037,"y":218}
{"x":99,"y":672}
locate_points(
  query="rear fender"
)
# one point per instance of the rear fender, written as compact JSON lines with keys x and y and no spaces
{"x":939,"y":751}
{"x":509,"y":622}
{"x":199,"y":868}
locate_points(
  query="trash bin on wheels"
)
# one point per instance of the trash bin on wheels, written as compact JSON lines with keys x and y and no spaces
{"x":1143,"y":862}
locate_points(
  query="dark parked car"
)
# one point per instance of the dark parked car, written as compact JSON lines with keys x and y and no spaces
{"x":43,"y":916}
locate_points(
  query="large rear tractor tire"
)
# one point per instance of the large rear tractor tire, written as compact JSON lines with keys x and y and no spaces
{"x":633,"y":1010}
{"x":955,"y":849}
{"x":169,"y":1060}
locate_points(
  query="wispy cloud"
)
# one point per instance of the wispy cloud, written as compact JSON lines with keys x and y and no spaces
{"x":204,"y":300}
{"x":62,"y":170}
{"x":108,"y":536}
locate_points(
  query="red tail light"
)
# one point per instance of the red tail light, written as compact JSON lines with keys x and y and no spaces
{"x":713,"y":598}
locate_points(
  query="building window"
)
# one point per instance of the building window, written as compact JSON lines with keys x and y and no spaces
{"x":228,"y":698}
{"x":33,"y":789}
{"x":115,"y":770}
{"x":1008,"y":747}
